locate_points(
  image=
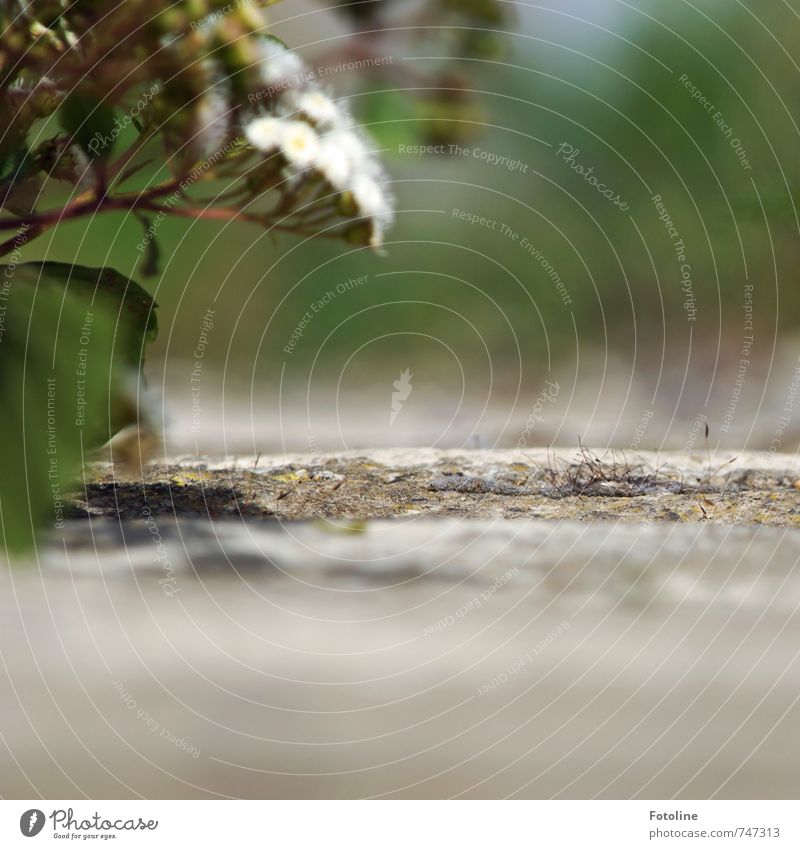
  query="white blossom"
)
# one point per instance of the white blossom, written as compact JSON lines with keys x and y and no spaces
{"x":279,"y":64}
{"x":334,"y":163}
{"x":82,"y":168}
{"x":299,"y":144}
{"x":362,"y":157}
{"x":316,"y":135}
{"x":264,"y":134}
{"x":320,"y":109}
{"x":212,"y":124}
{"x":374,"y":203}
{"x":370,"y":198}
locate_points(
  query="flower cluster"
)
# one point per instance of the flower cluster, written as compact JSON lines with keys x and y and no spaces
{"x":317,"y":141}
{"x":229,"y":104}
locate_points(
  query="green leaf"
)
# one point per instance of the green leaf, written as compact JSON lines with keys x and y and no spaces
{"x":70,"y":340}
{"x":152,"y":254}
{"x":117,"y":293}
{"x":90,"y":122}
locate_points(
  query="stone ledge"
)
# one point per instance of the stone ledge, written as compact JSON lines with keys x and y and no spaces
{"x":752,"y":488}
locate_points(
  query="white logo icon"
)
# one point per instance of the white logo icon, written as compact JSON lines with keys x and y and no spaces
{"x":401,"y":394}
{"x":31,"y":822}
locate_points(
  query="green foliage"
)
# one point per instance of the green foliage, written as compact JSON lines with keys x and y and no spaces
{"x":193,"y":110}
{"x":85,"y":117}
{"x":196,"y":92}
{"x":70,"y":349}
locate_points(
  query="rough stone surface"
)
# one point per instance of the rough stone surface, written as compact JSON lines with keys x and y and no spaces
{"x":753,"y":488}
{"x":448,"y":651}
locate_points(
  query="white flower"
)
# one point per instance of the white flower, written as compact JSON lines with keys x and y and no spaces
{"x":211,"y":122}
{"x":376,"y":238}
{"x":265,"y":134}
{"x":357,"y":151}
{"x":362,"y":158}
{"x":319,"y":108}
{"x":279,"y":64}
{"x":374,"y":203}
{"x":333,"y":161}
{"x":370,"y":197}
{"x":82,"y":169}
{"x":299,"y":143}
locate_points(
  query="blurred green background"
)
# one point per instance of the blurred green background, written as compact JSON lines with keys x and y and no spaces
{"x":474,"y":311}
